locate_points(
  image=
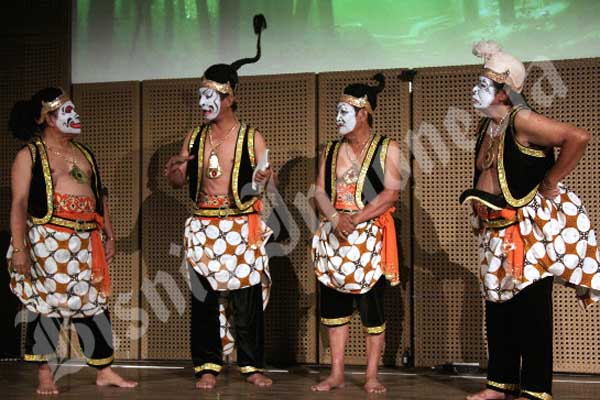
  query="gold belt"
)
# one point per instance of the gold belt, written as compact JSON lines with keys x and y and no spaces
{"x":77,"y":225}
{"x":222,"y":212}
{"x":499,"y":223}
{"x":346,"y":211}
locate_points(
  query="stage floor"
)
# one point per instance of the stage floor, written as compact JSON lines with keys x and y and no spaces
{"x":167,"y":380}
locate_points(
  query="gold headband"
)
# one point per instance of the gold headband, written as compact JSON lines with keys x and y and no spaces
{"x":496,"y":76}
{"x":362,"y":102}
{"x":224,"y":88}
{"x":49,"y":106}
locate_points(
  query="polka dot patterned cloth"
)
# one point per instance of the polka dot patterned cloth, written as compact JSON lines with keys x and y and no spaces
{"x":351,"y":266}
{"x":60,"y":281}
{"x":559,"y":241}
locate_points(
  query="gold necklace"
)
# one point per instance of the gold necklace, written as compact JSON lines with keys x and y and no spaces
{"x":75,"y":172}
{"x":352,"y":174}
{"x":214,"y":169}
{"x":489,"y":154}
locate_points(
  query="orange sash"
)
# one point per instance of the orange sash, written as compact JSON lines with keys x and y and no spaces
{"x":254,"y":228}
{"x":389,"y":248}
{"x":513,"y":245}
{"x":100,"y":273}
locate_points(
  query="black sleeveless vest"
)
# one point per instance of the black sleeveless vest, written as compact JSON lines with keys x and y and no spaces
{"x":520,"y":169}
{"x":370,"y":180}
{"x":41,"y":191}
{"x":243,"y":166}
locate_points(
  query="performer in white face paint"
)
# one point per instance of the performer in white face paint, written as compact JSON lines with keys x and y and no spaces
{"x":67,"y":119}
{"x":484,"y":93}
{"x":530,"y":227}
{"x":58,"y":259}
{"x":346,"y":118}
{"x":225,"y":238}
{"x":355,"y":248}
{"x":210,"y":103}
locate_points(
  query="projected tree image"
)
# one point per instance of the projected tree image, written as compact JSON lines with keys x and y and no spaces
{"x":140,"y":39}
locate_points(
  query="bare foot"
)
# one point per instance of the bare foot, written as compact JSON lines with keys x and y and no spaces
{"x":374,"y":386}
{"x":332,"y":382}
{"x":489,"y":394}
{"x":259,"y":380}
{"x":108,"y":377}
{"x":46,"y":384}
{"x":206,"y":382}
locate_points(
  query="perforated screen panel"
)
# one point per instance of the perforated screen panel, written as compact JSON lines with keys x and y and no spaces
{"x":170,"y":109}
{"x":448,"y":305}
{"x":283,"y":108}
{"x":110,"y":114}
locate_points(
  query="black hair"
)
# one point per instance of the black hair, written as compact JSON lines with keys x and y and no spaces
{"x":506,"y":89}
{"x":24,"y":114}
{"x":369,"y":116}
{"x":234,"y":105}
{"x":513,"y":98}
{"x":359,"y":90}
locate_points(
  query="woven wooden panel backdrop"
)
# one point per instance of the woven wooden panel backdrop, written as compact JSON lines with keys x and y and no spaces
{"x":392,"y":119}
{"x":35,"y":53}
{"x":283,"y":108}
{"x":448,"y":306}
{"x":110,"y":114}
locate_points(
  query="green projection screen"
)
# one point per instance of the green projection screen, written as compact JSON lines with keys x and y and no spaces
{"x":149,"y":39}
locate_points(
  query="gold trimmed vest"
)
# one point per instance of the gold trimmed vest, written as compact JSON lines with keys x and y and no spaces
{"x":520,"y":169}
{"x":41,"y":191}
{"x":370,"y":178}
{"x":243,"y":166}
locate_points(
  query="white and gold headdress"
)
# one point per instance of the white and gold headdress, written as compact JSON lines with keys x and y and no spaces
{"x":499,"y":66}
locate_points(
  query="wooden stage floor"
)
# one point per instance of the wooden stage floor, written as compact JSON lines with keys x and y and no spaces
{"x":171,"y":381}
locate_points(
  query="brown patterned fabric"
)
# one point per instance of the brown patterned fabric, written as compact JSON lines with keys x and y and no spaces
{"x":558,"y":241}
{"x":351,"y":266}
{"x":60,"y":281}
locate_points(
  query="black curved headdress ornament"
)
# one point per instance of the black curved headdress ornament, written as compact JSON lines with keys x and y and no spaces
{"x":223,"y":77}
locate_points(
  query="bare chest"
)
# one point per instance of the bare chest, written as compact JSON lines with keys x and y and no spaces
{"x":349,"y":164}
{"x":218,"y":163}
{"x":72,"y":176}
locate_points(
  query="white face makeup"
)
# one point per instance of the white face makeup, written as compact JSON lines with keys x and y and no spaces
{"x":67,"y":120}
{"x":483,"y":93}
{"x":210,"y":103}
{"x":346,"y":118}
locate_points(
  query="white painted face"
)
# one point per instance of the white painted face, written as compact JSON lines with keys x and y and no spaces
{"x":483,"y":93}
{"x":210,"y":103}
{"x":346,"y":118}
{"x":67,"y":120}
